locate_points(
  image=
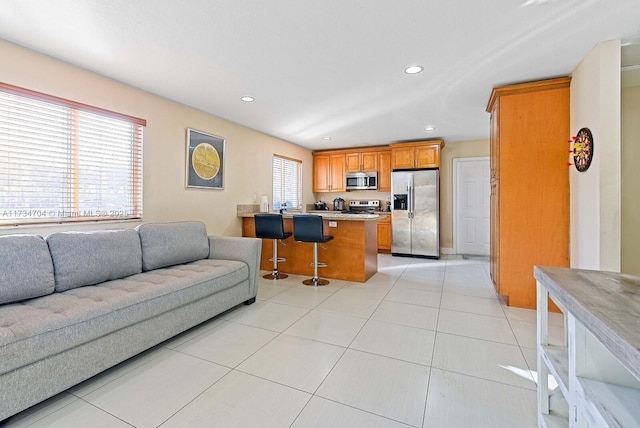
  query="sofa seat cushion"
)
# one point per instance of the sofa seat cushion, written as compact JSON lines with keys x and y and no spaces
{"x":37,"y":328}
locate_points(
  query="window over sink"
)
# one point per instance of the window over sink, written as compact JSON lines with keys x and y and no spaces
{"x":287,"y":183}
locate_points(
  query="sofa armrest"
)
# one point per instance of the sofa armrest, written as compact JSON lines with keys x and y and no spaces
{"x":246,"y":250}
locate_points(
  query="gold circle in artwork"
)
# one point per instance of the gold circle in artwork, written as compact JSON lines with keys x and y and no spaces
{"x":205,"y":161}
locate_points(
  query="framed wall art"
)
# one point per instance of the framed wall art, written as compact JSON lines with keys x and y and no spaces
{"x":205,"y":160}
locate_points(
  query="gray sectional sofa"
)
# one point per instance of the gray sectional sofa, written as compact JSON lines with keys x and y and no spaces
{"x":77,"y":303}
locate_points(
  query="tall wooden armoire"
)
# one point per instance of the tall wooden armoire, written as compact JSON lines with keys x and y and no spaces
{"x":529,"y":184}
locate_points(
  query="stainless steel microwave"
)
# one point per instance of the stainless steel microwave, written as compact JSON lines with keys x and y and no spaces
{"x":361,"y":181}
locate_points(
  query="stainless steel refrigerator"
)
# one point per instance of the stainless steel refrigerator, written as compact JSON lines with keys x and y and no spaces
{"x":415,"y":218}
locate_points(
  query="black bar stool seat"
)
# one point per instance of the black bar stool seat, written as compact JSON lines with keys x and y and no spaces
{"x":271,"y":226}
{"x":308,"y":228}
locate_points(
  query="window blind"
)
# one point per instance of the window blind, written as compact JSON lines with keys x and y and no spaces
{"x":64,"y":161}
{"x":287,"y":182}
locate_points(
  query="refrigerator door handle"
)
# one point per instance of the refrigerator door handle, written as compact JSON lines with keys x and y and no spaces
{"x":410,"y":203}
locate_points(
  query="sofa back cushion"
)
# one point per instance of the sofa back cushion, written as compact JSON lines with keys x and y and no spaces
{"x":26,"y":270}
{"x":88,"y":258}
{"x":168,"y":244}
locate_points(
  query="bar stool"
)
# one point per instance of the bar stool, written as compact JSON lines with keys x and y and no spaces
{"x":308,"y":228}
{"x":270,"y":226}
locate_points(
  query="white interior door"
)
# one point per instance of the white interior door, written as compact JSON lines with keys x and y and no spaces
{"x":472,"y":191}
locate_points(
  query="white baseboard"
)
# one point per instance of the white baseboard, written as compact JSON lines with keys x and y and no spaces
{"x":447,"y":251}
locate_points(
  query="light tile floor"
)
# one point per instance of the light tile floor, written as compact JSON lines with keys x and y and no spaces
{"x":424,"y":343}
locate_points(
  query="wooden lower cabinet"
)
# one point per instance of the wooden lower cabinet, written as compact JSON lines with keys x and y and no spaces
{"x":384,"y":234}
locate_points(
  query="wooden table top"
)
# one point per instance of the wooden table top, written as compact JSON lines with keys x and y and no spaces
{"x":606,"y":303}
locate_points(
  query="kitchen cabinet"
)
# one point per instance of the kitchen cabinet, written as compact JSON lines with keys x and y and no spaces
{"x":596,"y":363}
{"x":529,"y":185}
{"x":384,"y":171}
{"x":361,"y":161}
{"x":330,"y":167}
{"x":329,"y":172}
{"x":384,"y":233}
{"x":416,"y":155}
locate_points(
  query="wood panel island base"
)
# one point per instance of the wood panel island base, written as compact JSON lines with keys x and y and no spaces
{"x":352,"y":255}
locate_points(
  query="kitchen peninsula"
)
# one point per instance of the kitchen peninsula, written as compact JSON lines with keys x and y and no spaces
{"x":352,"y":255}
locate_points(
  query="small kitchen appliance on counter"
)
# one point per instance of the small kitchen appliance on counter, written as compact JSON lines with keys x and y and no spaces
{"x":320,"y":205}
{"x":338,"y":204}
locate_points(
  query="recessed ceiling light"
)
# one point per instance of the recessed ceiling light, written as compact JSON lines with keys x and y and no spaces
{"x":248,"y":99}
{"x":414,"y":69}
{"x":429,"y":128}
{"x":326,"y":138}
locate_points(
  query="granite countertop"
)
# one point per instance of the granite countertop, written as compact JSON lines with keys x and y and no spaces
{"x":329,"y":215}
{"x":606,"y":303}
{"x":340,"y":212}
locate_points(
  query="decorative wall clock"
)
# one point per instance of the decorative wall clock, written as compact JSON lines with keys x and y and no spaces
{"x":583,"y":149}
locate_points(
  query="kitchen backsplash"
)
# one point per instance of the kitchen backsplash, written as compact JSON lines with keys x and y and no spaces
{"x":247,"y":209}
{"x":328,"y":198}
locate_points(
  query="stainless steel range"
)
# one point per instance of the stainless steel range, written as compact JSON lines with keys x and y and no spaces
{"x":364,"y":206}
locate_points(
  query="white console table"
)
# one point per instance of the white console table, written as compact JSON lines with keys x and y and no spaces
{"x":597,"y":368}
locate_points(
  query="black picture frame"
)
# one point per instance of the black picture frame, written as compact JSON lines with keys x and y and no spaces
{"x":205,"y":160}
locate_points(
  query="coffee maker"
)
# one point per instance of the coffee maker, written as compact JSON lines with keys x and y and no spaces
{"x":319,"y":206}
{"x":338,"y":204}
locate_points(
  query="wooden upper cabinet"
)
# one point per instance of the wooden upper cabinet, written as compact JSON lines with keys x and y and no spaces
{"x":361,"y":161}
{"x":337,"y":173}
{"x":352,"y":162}
{"x":328,"y":173}
{"x":384,"y":171}
{"x":403,"y":157}
{"x":369,"y":161}
{"x":427,"y":156}
{"x":331,"y":166}
{"x":321,"y":173}
{"x":418,"y":154}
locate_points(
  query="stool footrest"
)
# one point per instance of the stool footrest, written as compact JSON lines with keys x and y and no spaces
{"x":320,"y":264}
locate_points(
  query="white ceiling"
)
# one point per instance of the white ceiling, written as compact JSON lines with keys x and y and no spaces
{"x":325,"y":67}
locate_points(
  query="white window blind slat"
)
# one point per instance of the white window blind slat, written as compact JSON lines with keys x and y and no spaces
{"x":64,"y":161}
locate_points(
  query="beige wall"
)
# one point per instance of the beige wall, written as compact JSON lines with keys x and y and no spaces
{"x":248,"y":153}
{"x":595,"y":193}
{"x":630,"y":151}
{"x":465,"y":149}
